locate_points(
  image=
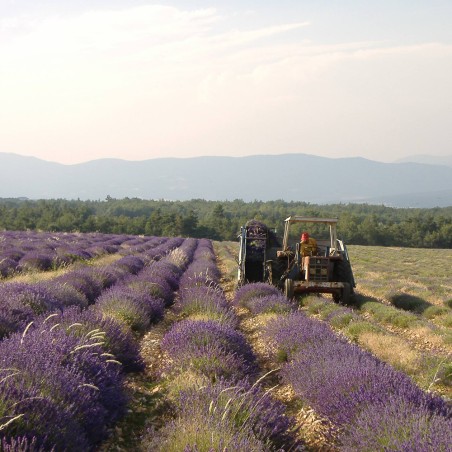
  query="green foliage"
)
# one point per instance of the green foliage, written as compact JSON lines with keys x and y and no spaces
{"x":359,"y":224}
{"x":355,"y":329}
{"x":435,"y":311}
{"x":342,"y":320}
{"x":447,"y":321}
{"x":282,"y":356}
{"x":322,"y":308}
{"x":389,"y":314}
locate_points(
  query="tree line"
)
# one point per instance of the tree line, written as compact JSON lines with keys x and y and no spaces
{"x":359,"y":224}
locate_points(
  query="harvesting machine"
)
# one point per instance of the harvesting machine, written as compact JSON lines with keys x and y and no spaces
{"x":291,"y":267}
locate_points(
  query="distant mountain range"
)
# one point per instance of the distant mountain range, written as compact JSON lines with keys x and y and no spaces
{"x":290,"y":177}
{"x":428,"y":159}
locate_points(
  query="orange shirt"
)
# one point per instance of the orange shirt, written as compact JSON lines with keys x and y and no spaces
{"x":309,"y":248}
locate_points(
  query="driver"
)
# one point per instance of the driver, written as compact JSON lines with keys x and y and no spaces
{"x":308,"y":245}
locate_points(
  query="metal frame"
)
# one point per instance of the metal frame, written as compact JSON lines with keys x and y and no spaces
{"x":331,"y":222}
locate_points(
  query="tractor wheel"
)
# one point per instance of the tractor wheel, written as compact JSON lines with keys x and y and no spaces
{"x":288,"y":288}
{"x":343,"y":273}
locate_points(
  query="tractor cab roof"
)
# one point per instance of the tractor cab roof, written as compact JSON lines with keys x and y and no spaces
{"x":301,"y":219}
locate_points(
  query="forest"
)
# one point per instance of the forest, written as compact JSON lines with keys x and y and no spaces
{"x":359,"y":224}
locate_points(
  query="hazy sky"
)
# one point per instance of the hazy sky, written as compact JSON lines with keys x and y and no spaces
{"x":137,"y":79}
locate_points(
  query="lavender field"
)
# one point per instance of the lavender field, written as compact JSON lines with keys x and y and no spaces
{"x":119,"y":342}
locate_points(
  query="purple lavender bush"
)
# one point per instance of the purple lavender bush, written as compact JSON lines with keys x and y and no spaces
{"x":169,"y":272}
{"x":82,"y":280}
{"x":60,"y":388}
{"x":210,"y":348}
{"x":190,"y":279}
{"x":117,"y":341}
{"x":189,"y":247}
{"x":108,"y":276}
{"x":200,"y":432}
{"x":67,"y":255}
{"x":20,"y":303}
{"x":8,"y":267}
{"x":14,"y":317}
{"x":97,"y":250}
{"x":12,"y":253}
{"x":203,"y":268}
{"x":35,"y":260}
{"x":200,"y":272}
{"x":204,"y":250}
{"x":206,"y":302}
{"x":254,"y":290}
{"x":211,"y":361}
{"x":133,"y":310}
{"x":397,"y":425}
{"x":22,"y":444}
{"x":245,"y":406}
{"x":225,"y":416}
{"x":169,"y":245}
{"x":41,"y":424}
{"x":288,"y":334}
{"x":189,"y":335}
{"x":64,"y":294}
{"x":132,"y":264}
{"x":152,"y":286}
{"x":276,"y":304}
{"x":339,"y":379}
{"x":202,"y":292}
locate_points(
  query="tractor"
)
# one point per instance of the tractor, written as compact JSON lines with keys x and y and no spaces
{"x":294,"y":268}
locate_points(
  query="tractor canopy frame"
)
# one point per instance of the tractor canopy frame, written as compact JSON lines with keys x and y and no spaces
{"x":331,"y":222}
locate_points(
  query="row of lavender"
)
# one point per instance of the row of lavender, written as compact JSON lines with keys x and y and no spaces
{"x":211,"y":374}
{"x":21,"y":251}
{"x":20,"y":303}
{"x":61,"y":378}
{"x":370,"y":406}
